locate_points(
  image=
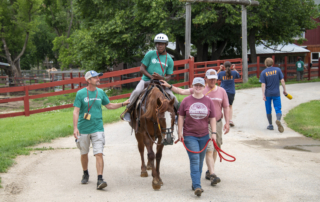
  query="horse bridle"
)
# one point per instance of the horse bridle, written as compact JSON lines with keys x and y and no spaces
{"x":167,"y":139}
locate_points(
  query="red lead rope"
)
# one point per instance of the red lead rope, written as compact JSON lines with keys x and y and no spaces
{"x":215,"y":146}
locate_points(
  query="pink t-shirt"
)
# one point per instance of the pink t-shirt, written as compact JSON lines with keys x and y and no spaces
{"x":219,"y":98}
{"x":197,"y":113}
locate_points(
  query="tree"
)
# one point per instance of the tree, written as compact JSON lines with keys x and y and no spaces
{"x":274,"y":22}
{"x":17,"y":25}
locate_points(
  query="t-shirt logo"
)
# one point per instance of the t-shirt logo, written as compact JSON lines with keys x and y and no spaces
{"x":198,"y":110}
{"x":299,"y":65}
{"x":85,"y":99}
{"x":154,"y":61}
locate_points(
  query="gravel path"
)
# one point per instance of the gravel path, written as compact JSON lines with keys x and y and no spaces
{"x":270,"y":166}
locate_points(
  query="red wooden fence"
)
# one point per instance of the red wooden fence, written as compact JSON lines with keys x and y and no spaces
{"x":195,"y":70}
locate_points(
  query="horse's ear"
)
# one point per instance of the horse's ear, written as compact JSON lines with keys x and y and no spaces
{"x":171,"y":102}
{"x":159,"y":103}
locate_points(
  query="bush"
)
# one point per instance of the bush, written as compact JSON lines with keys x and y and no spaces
{"x":253,"y":80}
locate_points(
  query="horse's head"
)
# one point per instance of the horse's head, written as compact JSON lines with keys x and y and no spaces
{"x":165,"y":118}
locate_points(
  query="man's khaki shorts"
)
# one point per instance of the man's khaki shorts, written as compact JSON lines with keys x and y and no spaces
{"x":97,"y":139}
{"x":219,"y":136}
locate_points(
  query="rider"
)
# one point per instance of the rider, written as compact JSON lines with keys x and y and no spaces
{"x":157,"y":65}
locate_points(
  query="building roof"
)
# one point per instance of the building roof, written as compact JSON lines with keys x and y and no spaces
{"x":4,"y":64}
{"x":289,"y":48}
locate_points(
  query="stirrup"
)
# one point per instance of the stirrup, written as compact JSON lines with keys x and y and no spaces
{"x":127,"y":117}
{"x":124,"y":113}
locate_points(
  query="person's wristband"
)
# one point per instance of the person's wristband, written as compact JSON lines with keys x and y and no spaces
{"x":170,"y":87}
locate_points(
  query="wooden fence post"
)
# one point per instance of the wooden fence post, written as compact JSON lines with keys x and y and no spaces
{"x":26,"y":102}
{"x":80,"y":81}
{"x":319,"y":68}
{"x":71,"y":77}
{"x":309,"y":70}
{"x":191,"y":71}
{"x":258,"y":66}
{"x":285,"y":67}
{"x":63,"y":80}
{"x":274,"y":60}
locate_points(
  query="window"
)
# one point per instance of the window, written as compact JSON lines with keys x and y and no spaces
{"x":315,"y":57}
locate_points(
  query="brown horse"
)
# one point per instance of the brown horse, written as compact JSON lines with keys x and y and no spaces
{"x":155,"y":123}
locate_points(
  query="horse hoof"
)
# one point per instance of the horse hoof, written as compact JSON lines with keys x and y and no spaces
{"x":156,"y":186}
{"x":160,"y":181}
{"x":149,"y":167}
{"x":144,"y":174}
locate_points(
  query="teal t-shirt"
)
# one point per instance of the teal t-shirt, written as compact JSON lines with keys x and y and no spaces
{"x":299,"y":65}
{"x":95,"y":123}
{"x":151,"y":61}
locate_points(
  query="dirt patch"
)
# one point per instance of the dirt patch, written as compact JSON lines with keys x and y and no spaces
{"x":13,"y":188}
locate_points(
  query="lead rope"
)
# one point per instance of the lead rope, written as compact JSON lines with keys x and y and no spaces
{"x":215,"y":146}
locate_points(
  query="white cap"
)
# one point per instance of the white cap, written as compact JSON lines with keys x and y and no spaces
{"x":91,"y":73}
{"x":198,"y":80}
{"x":211,"y":74}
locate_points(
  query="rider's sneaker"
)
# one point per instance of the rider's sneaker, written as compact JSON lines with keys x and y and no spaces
{"x":270,"y":127}
{"x":126,"y":117}
{"x":85,"y":179}
{"x":101,"y":184}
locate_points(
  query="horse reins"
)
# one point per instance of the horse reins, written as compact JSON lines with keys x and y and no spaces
{"x":215,"y":146}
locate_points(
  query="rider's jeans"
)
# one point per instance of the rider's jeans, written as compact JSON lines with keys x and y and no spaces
{"x":196,"y":160}
{"x":135,"y":94}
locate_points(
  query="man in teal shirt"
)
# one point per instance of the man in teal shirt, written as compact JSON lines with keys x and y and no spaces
{"x":156,"y":65}
{"x":88,"y":125}
{"x":300,"y":67}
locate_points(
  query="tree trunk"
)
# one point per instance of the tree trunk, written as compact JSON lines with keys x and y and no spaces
{"x":205,"y":52}
{"x":181,"y":46}
{"x":177,"y":45}
{"x":252,"y":44}
{"x":199,"y":51}
{"x":217,"y":49}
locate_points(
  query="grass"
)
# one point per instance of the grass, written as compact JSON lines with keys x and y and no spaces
{"x":18,"y":134}
{"x":305,"y":119}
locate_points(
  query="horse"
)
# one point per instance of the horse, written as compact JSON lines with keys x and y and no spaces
{"x":156,"y":122}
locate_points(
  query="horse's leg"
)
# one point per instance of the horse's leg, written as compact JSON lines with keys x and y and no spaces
{"x":158,"y":159}
{"x":149,"y":165}
{"x":155,"y":181}
{"x":139,"y":138}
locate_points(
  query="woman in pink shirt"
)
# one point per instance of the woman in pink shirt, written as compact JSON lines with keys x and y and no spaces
{"x":195,"y":112}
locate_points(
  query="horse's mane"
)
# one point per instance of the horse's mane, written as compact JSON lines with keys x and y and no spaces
{"x":153,"y":104}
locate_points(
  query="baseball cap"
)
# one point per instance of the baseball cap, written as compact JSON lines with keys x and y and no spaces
{"x":211,"y":74}
{"x":91,"y":73}
{"x":198,"y":80}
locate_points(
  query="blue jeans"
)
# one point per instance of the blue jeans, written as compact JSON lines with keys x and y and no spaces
{"x":196,"y":160}
{"x":276,"y":104}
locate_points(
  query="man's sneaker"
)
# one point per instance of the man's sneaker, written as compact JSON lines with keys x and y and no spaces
{"x":280,"y":127}
{"x":193,"y":188}
{"x":214,"y":179}
{"x":270,"y":127}
{"x":101,"y":184}
{"x":85,"y":179}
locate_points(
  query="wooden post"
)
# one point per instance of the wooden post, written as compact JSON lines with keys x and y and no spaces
{"x":63,"y":80}
{"x":309,"y":70}
{"x":71,"y":77}
{"x":244,"y":44}
{"x":319,"y":68}
{"x":191,"y":70}
{"x":285,"y":67}
{"x":258,"y":67}
{"x":187,"y":40}
{"x":26,"y":102}
{"x":274,"y":60}
{"x":80,"y":81}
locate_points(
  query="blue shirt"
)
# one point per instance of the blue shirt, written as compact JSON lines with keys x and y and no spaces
{"x":228,"y":84}
{"x":271,"y":76}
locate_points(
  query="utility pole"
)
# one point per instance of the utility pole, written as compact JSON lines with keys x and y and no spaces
{"x":244,"y":44}
{"x":187,"y":38}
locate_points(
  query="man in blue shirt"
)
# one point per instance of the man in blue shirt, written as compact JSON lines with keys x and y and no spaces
{"x":270,"y":79}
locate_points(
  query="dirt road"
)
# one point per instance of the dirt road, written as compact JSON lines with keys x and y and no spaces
{"x":270,"y":166}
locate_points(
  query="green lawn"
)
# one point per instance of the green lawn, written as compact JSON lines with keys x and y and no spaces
{"x":305,"y":119}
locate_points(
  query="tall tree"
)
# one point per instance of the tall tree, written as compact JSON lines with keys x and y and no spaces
{"x":17,"y":25}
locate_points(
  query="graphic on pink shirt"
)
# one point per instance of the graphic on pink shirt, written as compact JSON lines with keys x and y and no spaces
{"x":198,"y":110}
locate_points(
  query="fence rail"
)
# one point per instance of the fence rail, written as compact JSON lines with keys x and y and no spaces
{"x":195,"y":70}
